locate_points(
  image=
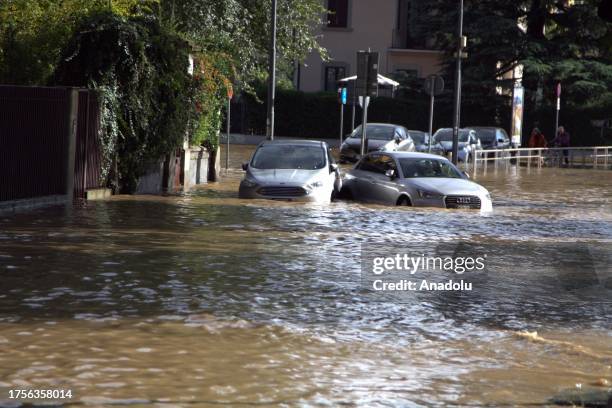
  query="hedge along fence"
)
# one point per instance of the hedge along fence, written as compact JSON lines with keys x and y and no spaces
{"x":317,"y":115}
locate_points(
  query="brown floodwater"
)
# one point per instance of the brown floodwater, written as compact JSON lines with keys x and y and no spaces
{"x":204,"y":299}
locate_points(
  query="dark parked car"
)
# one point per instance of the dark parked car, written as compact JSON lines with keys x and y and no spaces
{"x":492,"y":137}
{"x":421,"y":142}
{"x":384,"y":137}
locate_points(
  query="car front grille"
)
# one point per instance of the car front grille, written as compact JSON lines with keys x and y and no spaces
{"x":471,"y":202}
{"x":282,"y":191}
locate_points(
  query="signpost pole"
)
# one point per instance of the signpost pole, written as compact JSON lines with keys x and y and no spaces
{"x":272,"y":74}
{"x":457,"y":113}
{"x":364,"y":125}
{"x":227,"y":148}
{"x":432,"y":86}
{"x":342,"y":103}
{"x":558,"y":107}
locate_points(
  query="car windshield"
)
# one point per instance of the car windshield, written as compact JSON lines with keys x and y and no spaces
{"x":418,"y":137}
{"x":486,"y":135}
{"x":412,"y":168}
{"x":446,"y":135}
{"x":289,"y":157}
{"x":376,"y":132}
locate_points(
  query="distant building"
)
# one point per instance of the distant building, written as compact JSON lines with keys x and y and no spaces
{"x":387,"y":26}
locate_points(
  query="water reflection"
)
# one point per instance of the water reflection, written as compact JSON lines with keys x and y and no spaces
{"x":208,"y":298}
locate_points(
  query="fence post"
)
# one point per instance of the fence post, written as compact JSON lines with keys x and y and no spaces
{"x":72,"y":116}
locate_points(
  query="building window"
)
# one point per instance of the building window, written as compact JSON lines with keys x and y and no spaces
{"x":332,"y":75}
{"x":337,"y":13}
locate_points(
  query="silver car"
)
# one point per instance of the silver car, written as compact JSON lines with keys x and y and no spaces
{"x":380,"y":137}
{"x":301,"y":170}
{"x":413,"y":179}
{"x":468,"y":142}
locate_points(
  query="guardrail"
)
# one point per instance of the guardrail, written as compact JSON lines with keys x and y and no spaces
{"x":596,"y":157}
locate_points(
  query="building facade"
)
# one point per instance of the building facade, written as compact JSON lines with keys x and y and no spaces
{"x":387,"y":26}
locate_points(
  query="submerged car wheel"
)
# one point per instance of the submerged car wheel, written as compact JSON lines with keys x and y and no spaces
{"x":404,"y":201}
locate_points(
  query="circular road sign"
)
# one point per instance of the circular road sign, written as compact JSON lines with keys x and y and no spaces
{"x":434,"y":83}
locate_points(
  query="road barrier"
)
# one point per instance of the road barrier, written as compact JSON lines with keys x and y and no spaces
{"x":594,"y":157}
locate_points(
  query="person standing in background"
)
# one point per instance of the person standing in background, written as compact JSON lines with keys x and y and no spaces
{"x":562,"y":140}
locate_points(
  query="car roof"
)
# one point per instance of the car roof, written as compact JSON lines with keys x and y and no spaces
{"x":463,"y":128}
{"x":383,"y":124}
{"x":292,"y":142}
{"x":411,"y":155}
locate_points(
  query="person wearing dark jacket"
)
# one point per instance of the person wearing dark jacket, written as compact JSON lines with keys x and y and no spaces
{"x":562,"y":140}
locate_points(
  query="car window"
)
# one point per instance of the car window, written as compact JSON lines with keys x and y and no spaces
{"x":446,"y":135}
{"x":289,"y":157}
{"x":387,"y":163}
{"x":376,"y":132}
{"x":374,"y":164}
{"x":412,"y":168}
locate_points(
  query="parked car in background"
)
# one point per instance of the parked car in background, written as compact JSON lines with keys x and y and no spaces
{"x":302,"y":170}
{"x":492,"y":137}
{"x":413,"y":179}
{"x":468,"y":142}
{"x":380,"y":137}
{"x":421,"y":142}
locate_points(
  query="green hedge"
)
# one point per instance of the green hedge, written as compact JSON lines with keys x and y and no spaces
{"x":317,"y":115}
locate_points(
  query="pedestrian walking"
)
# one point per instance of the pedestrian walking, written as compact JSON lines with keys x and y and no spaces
{"x":562,"y":140}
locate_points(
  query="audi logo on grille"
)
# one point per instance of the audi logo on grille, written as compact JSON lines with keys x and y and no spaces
{"x":464,"y":200}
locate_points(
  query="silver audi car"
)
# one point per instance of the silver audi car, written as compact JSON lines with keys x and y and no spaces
{"x":413,"y":179}
{"x":301,"y":170}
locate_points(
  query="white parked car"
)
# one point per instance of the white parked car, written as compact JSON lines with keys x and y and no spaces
{"x":413,"y":179}
{"x":380,"y":137}
{"x":468,"y":142}
{"x":301,"y":170}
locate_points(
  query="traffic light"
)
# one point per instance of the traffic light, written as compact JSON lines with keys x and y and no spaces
{"x":605,"y":10}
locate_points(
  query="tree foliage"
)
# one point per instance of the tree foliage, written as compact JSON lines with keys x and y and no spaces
{"x":140,"y":69}
{"x":554,"y":41}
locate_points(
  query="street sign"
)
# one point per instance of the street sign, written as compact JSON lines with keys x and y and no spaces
{"x":342,"y":95}
{"x":518,"y":99}
{"x":435,"y":83}
{"x":367,"y":73}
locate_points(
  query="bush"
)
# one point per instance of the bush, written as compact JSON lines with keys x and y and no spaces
{"x":140,"y":69}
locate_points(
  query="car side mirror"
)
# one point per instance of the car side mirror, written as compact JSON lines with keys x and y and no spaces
{"x":397,"y":140}
{"x":245,"y":166}
{"x":390,"y":173}
{"x":466,"y":174}
{"x":333,"y":167}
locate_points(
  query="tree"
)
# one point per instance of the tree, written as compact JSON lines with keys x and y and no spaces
{"x":33,"y":33}
{"x":554,"y":41}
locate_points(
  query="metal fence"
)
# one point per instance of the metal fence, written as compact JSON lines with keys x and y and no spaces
{"x":88,"y":156}
{"x":33,"y":143}
{"x":594,"y":157}
{"x":49,"y":144}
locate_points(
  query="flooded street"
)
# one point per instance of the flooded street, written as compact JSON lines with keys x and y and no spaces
{"x":206,"y":299}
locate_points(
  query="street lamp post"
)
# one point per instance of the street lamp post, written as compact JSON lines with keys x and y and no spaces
{"x":271,"y":74}
{"x":457,"y":113}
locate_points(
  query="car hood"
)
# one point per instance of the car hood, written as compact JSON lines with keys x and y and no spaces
{"x":373,"y":144}
{"x":284,"y":176}
{"x":446,"y":186}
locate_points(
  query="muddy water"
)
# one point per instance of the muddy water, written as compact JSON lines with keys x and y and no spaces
{"x":207,"y":299}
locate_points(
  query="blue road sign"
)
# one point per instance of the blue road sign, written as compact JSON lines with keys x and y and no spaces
{"x":343,"y":96}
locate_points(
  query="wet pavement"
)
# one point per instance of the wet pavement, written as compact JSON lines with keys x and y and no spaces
{"x":207,"y":299}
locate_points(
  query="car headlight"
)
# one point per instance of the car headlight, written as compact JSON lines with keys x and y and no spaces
{"x":315,"y":184}
{"x":249,"y":182}
{"x":488,"y":196}
{"x":429,"y":194}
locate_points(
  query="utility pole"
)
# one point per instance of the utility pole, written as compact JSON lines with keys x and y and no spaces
{"x":461,"y":42}
{"x":272,"y":74}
